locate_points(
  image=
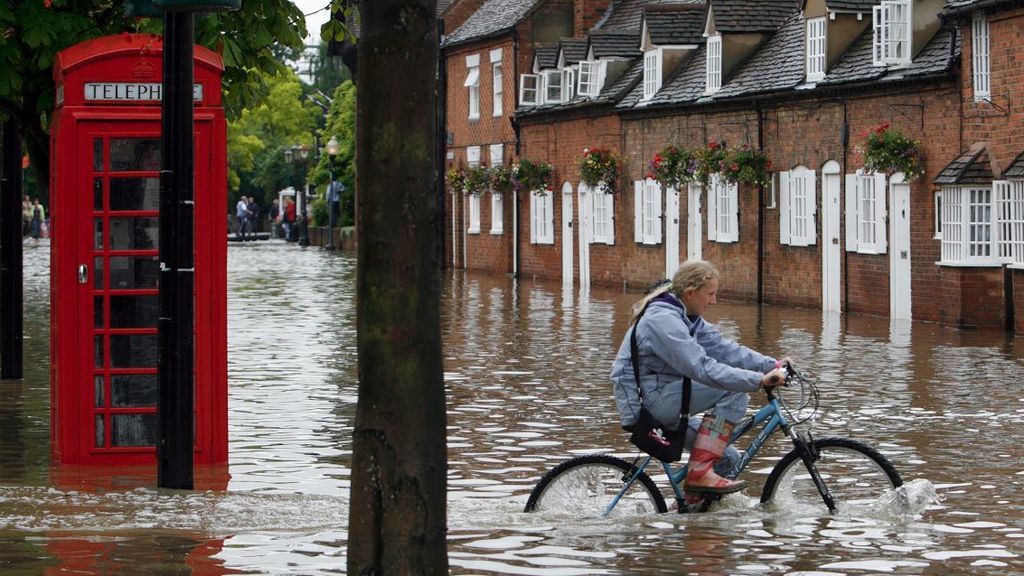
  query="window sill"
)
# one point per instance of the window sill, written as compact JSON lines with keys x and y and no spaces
{"x":473,"y":231}
{"x":497,"y":232}
{"x":1016,"y":266}
{"x":968,"y":264}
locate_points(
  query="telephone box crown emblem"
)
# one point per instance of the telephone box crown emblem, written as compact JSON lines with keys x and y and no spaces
{"x":143,"y":70}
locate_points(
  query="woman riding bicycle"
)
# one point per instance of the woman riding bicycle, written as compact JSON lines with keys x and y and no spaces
{"x":675,"y":342}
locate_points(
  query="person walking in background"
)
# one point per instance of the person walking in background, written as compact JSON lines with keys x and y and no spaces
{"x":288,"y":221}
{"x":274,"y":216}
{"x":26,"y":216}
{"x":240,"y":212}
{"x":38,"y":216}
{"x":252,"y":214}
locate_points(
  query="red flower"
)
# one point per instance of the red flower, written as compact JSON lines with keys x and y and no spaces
{"x":650,"y":176}
{"x":768,"y":166}
{"x":713,"y":145}
{"x":734,"y":167}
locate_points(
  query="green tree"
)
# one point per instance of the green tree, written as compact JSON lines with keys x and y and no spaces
{"x":33,"y":31}
{"x":397,"y":509}
{"x":341,"y":124}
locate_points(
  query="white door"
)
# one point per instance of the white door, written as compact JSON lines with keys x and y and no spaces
{"x":586,"y":231}
{"x":671,"y":231}
{"x":694,"y":230}
{"x":899,"y":255}
{"x":567,"y":271}
{"x":830,"y":253}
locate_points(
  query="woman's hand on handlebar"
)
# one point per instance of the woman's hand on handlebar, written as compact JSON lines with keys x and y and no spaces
{"x":776,"y":377}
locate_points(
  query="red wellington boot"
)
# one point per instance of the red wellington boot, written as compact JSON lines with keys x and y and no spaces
{"x":712,"y":438}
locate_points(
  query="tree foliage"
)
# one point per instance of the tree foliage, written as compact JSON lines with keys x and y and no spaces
{"x":33,"y":31}
{"x":341,"y":124}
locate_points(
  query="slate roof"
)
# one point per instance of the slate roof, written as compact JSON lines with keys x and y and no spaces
{"x":733,"y":16}
{"x":615,"y":44}
{"x":1016,"y":169}
{"x":493,"y":18}
{"x":687,"y":85}
{"x":574,"y":50}
{"x":850,"y":5}
{"x":684,"y":24}
{"x":777,"y":65}
{"x":959,"y":7}
{"x":546,"y":57}
{"x":935,"y":58}
{"x":627,"y":14}
{"x":969,"y":168}
{"x":855,"y":65}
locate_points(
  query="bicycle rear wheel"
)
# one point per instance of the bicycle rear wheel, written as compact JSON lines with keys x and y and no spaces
{"x":585,"y":486}
{"x":856,"y":475}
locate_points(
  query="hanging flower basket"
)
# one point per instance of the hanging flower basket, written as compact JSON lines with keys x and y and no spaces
{"x":599,"y":169}
{"x":455,"y":178}
{"x":478,"y":179}
{"x":709,"y":160}
{"x":746,"y":165}
{"x":673,"y":167}
{"x":502,"y":181}
{"x":889,"y":151}
{"x":537,"y":177}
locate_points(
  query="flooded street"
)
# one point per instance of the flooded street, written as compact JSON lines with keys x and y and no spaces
{"x":526,"y":367}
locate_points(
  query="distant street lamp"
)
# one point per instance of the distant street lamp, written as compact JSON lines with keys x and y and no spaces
{"x":333,"y":191}
{"x":299,"y":154}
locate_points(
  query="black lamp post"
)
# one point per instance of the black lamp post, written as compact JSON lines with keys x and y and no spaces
{"x":299,"y":153}
{"x":333,"y":194}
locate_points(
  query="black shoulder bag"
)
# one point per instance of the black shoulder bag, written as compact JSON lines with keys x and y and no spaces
{"x":648,"y":434}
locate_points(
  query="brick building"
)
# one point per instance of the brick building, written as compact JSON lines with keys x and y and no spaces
{"x":804,"y":82}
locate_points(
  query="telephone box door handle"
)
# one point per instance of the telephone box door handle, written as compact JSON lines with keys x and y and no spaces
{"x":83,"y":274}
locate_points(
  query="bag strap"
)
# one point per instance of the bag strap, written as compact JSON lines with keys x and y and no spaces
{"x":634,"y":356}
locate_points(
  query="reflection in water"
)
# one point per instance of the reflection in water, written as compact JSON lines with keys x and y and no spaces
{"x":527,"y":384}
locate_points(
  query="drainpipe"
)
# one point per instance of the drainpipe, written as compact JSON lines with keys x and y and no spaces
{"x":442,"y":140}
{"x":845,"y":257}
{"x":518,"y":148}
{"x":760,"y":210}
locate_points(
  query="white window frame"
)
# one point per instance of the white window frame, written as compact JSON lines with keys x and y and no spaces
{"x":473,"y":156}
{"x":542,"y":218}
{"x":529,"y":89}
{"x":472,"y":83}
{"x":653,"y":60}
{"x":816,"y":42}
{"x":498,"y":88}
{"x":970,"y":230}
{"x":591,"y":78}
{"x":937,"y":206}
{"x":474,"y":214}
{"x":554,"y":86}
{"x":981,"y":78}
{"x":713,"y":77}
{"x":798,"y":200}
{"x":569,"y":83}
{"x":602,"y":217}
{"x":723,"y":210}
{"x":891,"y":23}
{"x":866,"y":216}
{"x":1010,"y":216}
{"x":497,"y":156}
{"x":647,"y":213}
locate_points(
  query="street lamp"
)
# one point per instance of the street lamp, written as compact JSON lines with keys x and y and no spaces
{"x":333,"y":191}
{"x":299,"y":153}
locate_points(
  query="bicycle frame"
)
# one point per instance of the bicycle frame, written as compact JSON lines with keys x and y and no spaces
{"x":770,"y":415}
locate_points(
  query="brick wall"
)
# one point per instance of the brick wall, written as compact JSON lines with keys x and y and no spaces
{"x":458,"y":12}
{"x":1018,"y":301}
{"x":587,"y":13}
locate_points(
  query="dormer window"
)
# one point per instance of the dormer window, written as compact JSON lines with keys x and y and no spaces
{"x":891,"y":40}
{"x":569,"y":83}
{"x":980,"y":76}
{"x":473,"y":84}
{"x":529,"y":89}
{"x":714,"y":68}
{"x":591,"y":78}
{"x":652,"y":72}
{"x":815,"y":49}
{"x":554,"y":86}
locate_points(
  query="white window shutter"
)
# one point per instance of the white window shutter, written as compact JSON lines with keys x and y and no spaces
{"x":734,"y":212}
{"x":881,"y":221}
{"x":784,"y":207}
{"x":851,"y":213}
{"x":1003,"y":222}
{"x":658,"y":213}
{"x":812,"y":208}
{"x":534,"y":221}
{"x":713,"y":209}
{"x":877,"y":36}
{"x":549,"y":217}
{"x":638,"y":189}
{"x":609,"y":211}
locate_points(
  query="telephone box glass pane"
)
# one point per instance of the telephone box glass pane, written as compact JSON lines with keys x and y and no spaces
{"x":97,"y":311}
{"x":133,"y":390}
{"x":128,"y":272}
{"x":99,"y":431}
{"x":134,"y":311}
{"x":97,"y":154}
{"x":98,"y":234}
{"x":98,"y":351}
{"x":97,"y":194}
{"x":98,"y":382}
{"x":128,"y":154}
{"x":135,"y":194}
{"x":133,"y":430}
{"x":97,"y":272}
{"x":133,"y":351}
{"x":134,"y":233}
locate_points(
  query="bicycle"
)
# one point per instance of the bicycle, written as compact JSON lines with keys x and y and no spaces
{"x":840,"y":471}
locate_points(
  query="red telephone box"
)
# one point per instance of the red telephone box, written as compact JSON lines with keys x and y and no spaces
{"x":105,"y":186}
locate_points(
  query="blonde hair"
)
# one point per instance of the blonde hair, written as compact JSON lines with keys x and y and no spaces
{"x":691,"y":275}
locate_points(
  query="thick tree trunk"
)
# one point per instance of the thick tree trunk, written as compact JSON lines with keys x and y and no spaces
{"x":397,"y":516}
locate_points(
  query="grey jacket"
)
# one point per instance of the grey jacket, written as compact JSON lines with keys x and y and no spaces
{"x":668,"y":351}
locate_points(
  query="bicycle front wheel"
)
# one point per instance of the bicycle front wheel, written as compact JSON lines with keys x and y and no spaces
{"x":585,"y":486}
{"x":856,"y":475}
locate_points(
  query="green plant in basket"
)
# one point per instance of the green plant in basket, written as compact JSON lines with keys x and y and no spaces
{"x":533,"y":176}
{"x":599,"y":169}
{"x":455,"y":178}
{"x":888,"y":150}
{"x":747,"y":165}
{"x":502,"y":181}
{"x":709,"y":160}
{"x":673,"y":167}
{"x":478,"y":179}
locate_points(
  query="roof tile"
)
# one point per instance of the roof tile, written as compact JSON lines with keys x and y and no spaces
{"x":778,"y":65}
{"x":682,"y":25}
{"x":494,"y":17}
{"x":751,"y":15}
{"x":1016,"y":169}
{"x":969,"y":168}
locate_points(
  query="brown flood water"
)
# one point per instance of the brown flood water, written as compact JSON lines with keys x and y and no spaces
{"x":526,"y":368}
